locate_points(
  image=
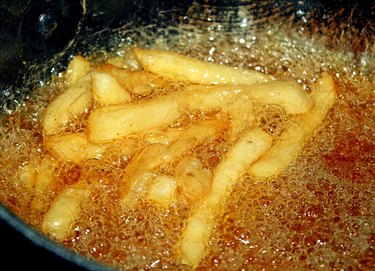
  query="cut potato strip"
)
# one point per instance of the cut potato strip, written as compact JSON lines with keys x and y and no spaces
{"x":26,"y":181}
{"x":43,"y":182}
{"x":74,"y":147}
{"x":140,"y":83}
{"x":285,"y":93}
{"x":107,"y":90}
{"x":59,"y":220}
{"x":179,"y":67}
{"x":127,"y":60}
{"x":139,"y":174}
{"x":27,"y":175}
{"x":187,"y":139}
{"x":112,"y":122}
{"x":108,"y":123}
{"x":139,"y":171}
{"x":163,"y":190}
{"x":196,"y":235}
{"x":78,"y":68}
{"x":72,"y":103}
{"x":291,"y":141}
{"x":161,"y":136}
{"x":194,"y":180}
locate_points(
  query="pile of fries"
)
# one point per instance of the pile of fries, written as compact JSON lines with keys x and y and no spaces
{"x":226,"y":95}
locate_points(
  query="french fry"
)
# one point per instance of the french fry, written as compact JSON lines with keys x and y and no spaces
{"x":107,"y":90}
{"x":74,"y":147}
{"x":195,"y":237}
{"x":240,"y":112}
{"x":78,"y":68}
{"x":161,"y":136}
{"x":72,"y":103}
{"x":27,"y":176}
{"x":194,"y":180}
{"x":139,"y":171}
{"x":138,"y":174}
{"x":26,"y":181}
{"x":163,"y":190}
{"x":58,"y":221}
{"x":140,"y":82}
{"x":43,"y":182}
{"x":179,"y":67}
{"x":127,"y":60}
{"x":285,"y":93}
{"x":291,"y":141}
{"x":111,"y":122}
{"x":154,"y":155}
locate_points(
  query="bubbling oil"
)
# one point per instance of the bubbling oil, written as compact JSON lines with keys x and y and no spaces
{"x":318,"y":214}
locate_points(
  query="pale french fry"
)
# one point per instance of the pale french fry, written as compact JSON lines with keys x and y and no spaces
{"x":179,"y":67}
{"x":78,"y":68}
{"x":163,"y":190}
{"x":139,"y":174}
{"x":155,"y":155}
{"x":107,"y":90}
{"x":193,"y":179}
{"x":43,"y":181}
{"x":112,"y":122}
{"x":285,"y":93}
{"x":74,"y":147}
{"x":161,"y":136}
{"x":26,"y":181}
{"x":27,"y":176}
{"x":141,"y":82}
{"x":58,"y":221}
{"x":127,"y":60}
{"x":72,"y":103}
{"x":139,"y":171}
{"x":194,"y":242}
{"x":191,"y":136}
{"x":240,"y":111}
{"x":291,"y":141}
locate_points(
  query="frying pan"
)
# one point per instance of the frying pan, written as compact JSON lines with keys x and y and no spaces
{"x":39,"y":33}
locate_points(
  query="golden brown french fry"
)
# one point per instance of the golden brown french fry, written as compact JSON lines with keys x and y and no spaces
{"x":194,"y":242}
{"x":285,"y":93}
{"x":78,"y":68}
{"x":179,"y":67}
{"x":107,"y":90}
{"x":72,"y":103}
{"x":58,"y":221}
{"x":291,"y":141}
{"x":43,"y":182}
{"x":74,"y":147}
